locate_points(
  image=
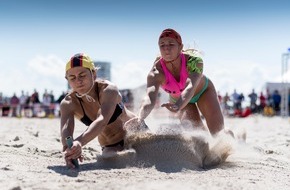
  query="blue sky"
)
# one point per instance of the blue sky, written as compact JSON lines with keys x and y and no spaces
{"x":241,"y":41}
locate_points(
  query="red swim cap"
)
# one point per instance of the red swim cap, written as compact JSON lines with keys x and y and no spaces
{"x":171,"y":34}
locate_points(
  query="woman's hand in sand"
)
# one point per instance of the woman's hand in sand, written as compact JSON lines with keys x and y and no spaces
{"x":171,"y":107}
{"x":75,"y":152}
{"x":135,"y":125}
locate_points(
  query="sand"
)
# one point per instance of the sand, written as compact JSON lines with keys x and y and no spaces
{"x":31,"y":157}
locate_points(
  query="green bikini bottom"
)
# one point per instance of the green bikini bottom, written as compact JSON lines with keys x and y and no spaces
{"x":195,"y":98}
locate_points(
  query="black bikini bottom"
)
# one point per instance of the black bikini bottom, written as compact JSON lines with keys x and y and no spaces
{"x":121,"y":143}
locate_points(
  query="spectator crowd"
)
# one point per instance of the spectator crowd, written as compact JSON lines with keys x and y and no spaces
{"x":27,"y":105}
{"x":236,"y":104}
{"x":233,"y":105}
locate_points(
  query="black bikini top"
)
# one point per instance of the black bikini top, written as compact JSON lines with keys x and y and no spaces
{"x":118,"y":110}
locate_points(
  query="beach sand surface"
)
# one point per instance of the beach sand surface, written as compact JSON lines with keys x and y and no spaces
{"x":258,"y":158}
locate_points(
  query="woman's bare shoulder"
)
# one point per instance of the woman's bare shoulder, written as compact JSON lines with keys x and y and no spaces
{"x":108,"y":90}
{"x":67,"y":101}
{"x":68,"y":106}
{"x":105,"y":85}
{"x":156,"y":68}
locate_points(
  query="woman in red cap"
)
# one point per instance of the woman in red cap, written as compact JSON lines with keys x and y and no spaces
{"x":96,"y":103}
{"x":180,"y":74}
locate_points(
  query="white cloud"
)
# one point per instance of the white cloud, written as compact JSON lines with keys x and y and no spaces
{"x":240,"y":75}
{"x":284,"y":78}
{"x":131,"y":74}
{"x":50,"y":66}
{"x":41,"y":72}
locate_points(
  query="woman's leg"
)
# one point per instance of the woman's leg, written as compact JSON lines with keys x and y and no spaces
{"x":191,"y":113}
{"x":209,"y":107}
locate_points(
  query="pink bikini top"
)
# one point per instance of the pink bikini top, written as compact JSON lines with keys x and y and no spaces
{"x":171,"y":86}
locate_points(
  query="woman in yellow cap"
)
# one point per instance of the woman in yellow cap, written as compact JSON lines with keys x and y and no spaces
{"x":95,"y":102}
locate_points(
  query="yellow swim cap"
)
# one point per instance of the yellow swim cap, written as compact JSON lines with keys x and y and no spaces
{"x":80,"y":60}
